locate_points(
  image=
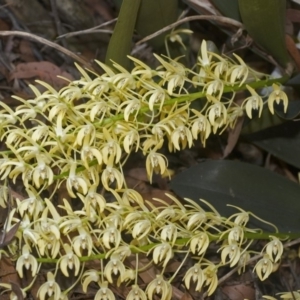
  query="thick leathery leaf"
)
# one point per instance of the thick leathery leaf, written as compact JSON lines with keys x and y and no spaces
{"x":154,"y":15}
{"x":262,"y":192}
{"x":292,"y":112}
{"x":229,"y":8}
{"x":282,"y":141}
{"x":266,"y":120}
{"x":265,"y":22}
{"x":121,"y":40}
{"x":294,"y":82}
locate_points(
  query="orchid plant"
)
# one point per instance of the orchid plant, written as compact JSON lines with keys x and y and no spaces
{"x":79,"y":139}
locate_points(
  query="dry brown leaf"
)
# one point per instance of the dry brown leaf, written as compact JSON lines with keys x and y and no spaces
{"x":157,"y":194}
{"x":36,"y":285}
{"x":177,"y":294}
{"x":17,"y":290}
{"x":186,"y":296}
{"x":7,"y":237}
{"x":8,"y":272}
{"x":239,"y":291}
{"x":147,"y":274}
{"x":293,"y":50}
{"x":233,"y":137}
{"x":43,"y":70}
{"x":140,"y":174}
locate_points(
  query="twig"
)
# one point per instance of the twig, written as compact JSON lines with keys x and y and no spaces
{"x":218,"y":19}
{"x":48,"y":43}
{"x":90,"y":30}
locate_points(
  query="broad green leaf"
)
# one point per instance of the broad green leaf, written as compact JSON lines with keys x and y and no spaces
{"x":121,"y":40}
{"x":292,"y":112}
{"x":153,"y":16}
{"x":255,"y":189}
{"x":266,"y":120}
{"x":282,"y":141}
{"x":294,"y":82}
{"x":229,"y":8}
{"x":265,"y":23}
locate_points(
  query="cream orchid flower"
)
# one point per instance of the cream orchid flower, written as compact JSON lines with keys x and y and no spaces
{"x":254,"y":102}
{"x":104,"y":293}
{"x":277,"y":96}
{"x":69,"y":261}
{"x":196,"y":275}
{"x":26,"y":260}
{"x":136,"y":293}
{"x":159,"y":286}
{"x":115,"y":266}
{"x":49,"y":288}
{"x":162,"y":252}
{"x":264,"y":267}
{"x":76,"y":181}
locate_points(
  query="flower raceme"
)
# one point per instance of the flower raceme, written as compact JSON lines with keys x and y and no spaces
{"x":77,"y":140}
{"x":122,"y":112}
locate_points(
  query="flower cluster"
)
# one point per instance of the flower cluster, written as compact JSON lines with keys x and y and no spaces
{"x":119,"y":234}
{"x":91,"y":126}
{"x":80,"y":137}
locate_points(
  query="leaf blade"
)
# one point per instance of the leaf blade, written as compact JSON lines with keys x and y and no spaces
{"x":265,"y":22}
{"x":249,"y":187}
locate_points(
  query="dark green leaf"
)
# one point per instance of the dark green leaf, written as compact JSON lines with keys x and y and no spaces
{"x":294,"y":82}
{"x":265,"y":22}
{"x":229,"y":8}
{"x":262,"y":192}
{"x":121,"y":40}
{"x":266,"y":120}
{"x":154,"y":15}
{"x":292,"y":112}
{"x":282,"y":141}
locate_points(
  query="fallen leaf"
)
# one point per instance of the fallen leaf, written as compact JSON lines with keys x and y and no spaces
{"x":8,"y":273}
{"x":239,"y":291}
{"x":293,"y":50}
{"x":43,"y":70}
{"x":17,"y":290}
{"x":233,"y":137}
{"x":186,"y":296}
{"x":7,"y":237}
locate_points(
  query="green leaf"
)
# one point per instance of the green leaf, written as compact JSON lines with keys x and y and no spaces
{"x":292,"y":111}
{"x":121,"y":40}
{"x":265,"y":22}
{"x":229,"y":8}
{"x":262,"y":192}
{"x":153,"y":16}
{"x":266,"y":120}
{"x":294,"y":82}
{"x":282,"y":141}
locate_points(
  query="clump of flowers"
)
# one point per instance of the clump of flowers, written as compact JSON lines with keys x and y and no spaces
{"x":80,"y":137}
